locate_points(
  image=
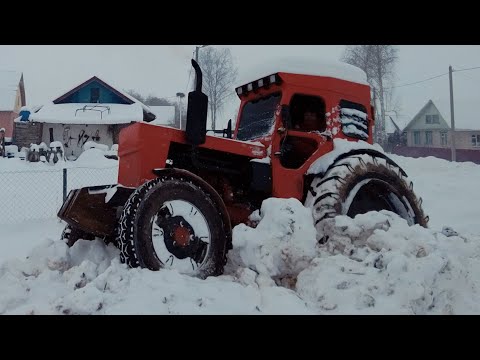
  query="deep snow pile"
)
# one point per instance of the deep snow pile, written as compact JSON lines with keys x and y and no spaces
{"x":89,"y":279}
{"x":276,"y":267}
{"x":393,"y":269}
{"x":283,"y":242}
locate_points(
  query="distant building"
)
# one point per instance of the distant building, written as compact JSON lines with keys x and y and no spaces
{"x":428,"y":134}
{"x":92,"y":111}
{"x":428,"y":128}
{"x":12,"y":98}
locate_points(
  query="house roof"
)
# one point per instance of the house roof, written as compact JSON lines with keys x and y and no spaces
{"x":420,"y":114}
{"x":81,"y":113}
{"x":92,"y":79}
{"x":86,"y":113}
{"x":9,"y":83}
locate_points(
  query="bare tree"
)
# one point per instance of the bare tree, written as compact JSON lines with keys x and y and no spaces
{"x":219,"y":75}
{"x":378,"y":62}
{"x":136,"y":95}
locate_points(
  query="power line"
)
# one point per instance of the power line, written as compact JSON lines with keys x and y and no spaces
{"x":473,"y":68}
{"x":418,"y":82}
{"x":434,"y":77}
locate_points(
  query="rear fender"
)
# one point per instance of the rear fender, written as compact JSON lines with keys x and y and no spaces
{"x":94,"y":210}
{"x":371,"y":152}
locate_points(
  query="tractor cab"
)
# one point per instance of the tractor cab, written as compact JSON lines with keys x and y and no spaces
{"x":297,"y":115}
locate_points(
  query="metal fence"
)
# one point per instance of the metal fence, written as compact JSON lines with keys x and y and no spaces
{"x":38,"y":193}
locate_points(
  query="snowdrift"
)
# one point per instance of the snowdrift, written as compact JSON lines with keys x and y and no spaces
{"x":373,"y":264}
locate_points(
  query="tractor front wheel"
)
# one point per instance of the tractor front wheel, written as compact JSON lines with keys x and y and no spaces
{"x":358,"y":184}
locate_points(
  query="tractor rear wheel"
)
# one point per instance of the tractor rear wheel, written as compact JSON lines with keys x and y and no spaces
{"x":172,"y":223}
{"x":358,"y":184}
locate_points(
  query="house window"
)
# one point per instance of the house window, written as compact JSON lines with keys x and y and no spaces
{"x":443,"y":138}
{"x":428,"y":138}
{"x":94,"y":95}
{"x":476,"y":140}
{"x":432,"y":119}
{"x":416,"y":137}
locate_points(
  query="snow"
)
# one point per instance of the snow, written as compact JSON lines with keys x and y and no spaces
{"x":93,"y":113}
{"x":400,"y":270}
{"x":94,"y":157}
{"x":373,"y":264}
{"x":346,"y":121}
{"x":354,"y":112}
{"x":351,"y":130}
{"x":288,"y":239}
{"x":306,"y":66}
{"x":340,"y":146}
{"x":265,"y":160}
{"x":9,"y":81}
{"x":92,"y":144}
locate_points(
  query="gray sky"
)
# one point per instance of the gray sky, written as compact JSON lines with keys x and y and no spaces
{"x":163,"y":70}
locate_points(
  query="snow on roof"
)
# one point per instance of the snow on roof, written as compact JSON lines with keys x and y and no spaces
{"x":301,"y":65}
{"x":165,"y":114}
{"x":31,"y":108}
{"x":82,"y":113}
{"x":9,"y":81}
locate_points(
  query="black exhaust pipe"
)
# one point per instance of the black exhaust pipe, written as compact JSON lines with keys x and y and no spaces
{"x":196,"y":128}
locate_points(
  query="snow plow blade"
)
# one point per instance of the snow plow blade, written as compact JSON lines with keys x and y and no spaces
{"x":89,"y":210}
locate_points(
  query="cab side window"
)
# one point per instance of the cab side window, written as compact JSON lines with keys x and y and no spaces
{"x":308,"y":113}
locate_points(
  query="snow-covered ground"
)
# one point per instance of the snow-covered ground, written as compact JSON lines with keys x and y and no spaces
{"x":275,"y":268}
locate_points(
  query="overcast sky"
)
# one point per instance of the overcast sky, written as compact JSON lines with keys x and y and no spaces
{"x":163,"y":70}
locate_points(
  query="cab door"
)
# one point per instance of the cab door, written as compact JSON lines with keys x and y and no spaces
{"x":295,"y":146}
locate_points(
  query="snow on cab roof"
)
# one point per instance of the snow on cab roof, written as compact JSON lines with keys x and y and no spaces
{"x":303,"y":66}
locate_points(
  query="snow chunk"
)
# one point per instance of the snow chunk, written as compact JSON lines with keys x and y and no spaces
{"x":282,"y":244}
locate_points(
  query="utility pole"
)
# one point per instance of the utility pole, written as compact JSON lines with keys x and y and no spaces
{"x":452,"y":141}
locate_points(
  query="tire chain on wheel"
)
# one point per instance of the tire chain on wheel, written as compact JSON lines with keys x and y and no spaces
{"x":125,"y":239}
{"x":324,"y":196}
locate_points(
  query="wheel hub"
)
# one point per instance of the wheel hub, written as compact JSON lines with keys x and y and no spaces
{"x":181,"y":236}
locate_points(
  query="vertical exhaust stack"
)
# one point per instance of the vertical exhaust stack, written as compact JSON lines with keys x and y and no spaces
{"x":196,"y":128}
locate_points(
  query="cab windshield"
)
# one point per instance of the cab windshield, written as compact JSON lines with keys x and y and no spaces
{"x":258,"y":117}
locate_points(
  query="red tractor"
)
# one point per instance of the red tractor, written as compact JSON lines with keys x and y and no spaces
{"x":179,"y":193}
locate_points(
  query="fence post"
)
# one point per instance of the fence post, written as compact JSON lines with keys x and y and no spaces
{"x":64,"y":184}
